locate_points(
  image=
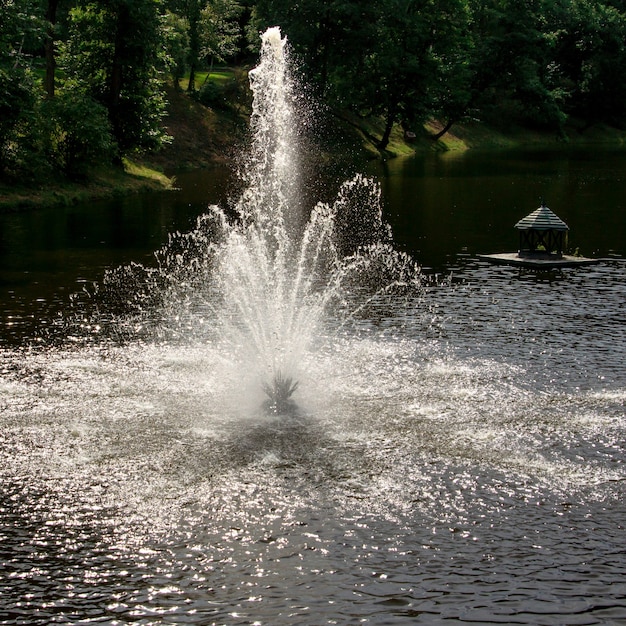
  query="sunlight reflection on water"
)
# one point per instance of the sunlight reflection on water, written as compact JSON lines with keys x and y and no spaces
{"x":471,"y":471}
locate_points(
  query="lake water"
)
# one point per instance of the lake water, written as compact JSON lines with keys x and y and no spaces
{"x":458,"y":458}
{"x":441,"y":207}
{"x":468,"y":203}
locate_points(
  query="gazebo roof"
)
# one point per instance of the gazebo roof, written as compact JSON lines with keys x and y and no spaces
{"x":542,"y":219}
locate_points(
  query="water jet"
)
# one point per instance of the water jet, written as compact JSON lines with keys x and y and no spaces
{"x":276,"y":275}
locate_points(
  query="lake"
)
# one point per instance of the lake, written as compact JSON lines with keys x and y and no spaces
{"x":456,"y":456}
{"x":468,"y":203}
{"x":442,"y":208}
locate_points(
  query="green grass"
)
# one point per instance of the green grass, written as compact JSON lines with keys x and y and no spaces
{"x":104,"y":182}
{"x":146,"y":174}
{"x":220,"y":76}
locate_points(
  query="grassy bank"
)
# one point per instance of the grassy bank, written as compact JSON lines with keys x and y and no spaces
{"x":107,"y":182}
{"x":202,"y":136}
{"x":476,"y":135}
{"x":472,"y":134}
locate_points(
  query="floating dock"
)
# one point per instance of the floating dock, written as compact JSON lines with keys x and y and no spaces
{"x":543,"y":236}
{"x":513,"y":258}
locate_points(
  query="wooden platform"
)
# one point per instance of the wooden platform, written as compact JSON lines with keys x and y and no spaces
{"x":513,"y":258}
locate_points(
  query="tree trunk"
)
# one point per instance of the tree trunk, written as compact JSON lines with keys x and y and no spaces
{"x":191,"y":85}
{"x":444,"y":130}
{"x":391,"y":118}
{"x":116,"y":79}
{"x":50,"y":52}
{"x":194,"y":45}
{"x":208,"y":74}
{"x":117,"y":69}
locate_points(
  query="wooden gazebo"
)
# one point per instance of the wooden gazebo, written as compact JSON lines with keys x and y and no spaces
{"x":543,"y":235}
{"x":542,"y":242}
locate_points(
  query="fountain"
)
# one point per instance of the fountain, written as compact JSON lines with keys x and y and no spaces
{"x":267,"y":283}
{"x":275,"y":282}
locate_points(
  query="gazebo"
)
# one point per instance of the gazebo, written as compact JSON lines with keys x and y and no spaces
{"x":543,"y":235}
{"x":542,"y":243}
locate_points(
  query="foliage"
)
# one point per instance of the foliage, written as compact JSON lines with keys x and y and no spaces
{"x":177,"y":44}
{"x":78,"y":133}
{"x":220,"y":33}
{"x":517,"y":63}
{"x":212,"y":95}
{"x":325,"y":34}
{"x":211,"y":30}
{"x":114,"y":53}
{"x":415,"y":58}
{"x":536,"y":62}
{"x":591,"y":47}
{"x":19,"y":28}
{"x":225,"y":91}
{"x":17,"y":103}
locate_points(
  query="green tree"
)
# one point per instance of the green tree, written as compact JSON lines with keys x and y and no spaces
{"x":193,"y":12}
{"x":413,"y":57}
{"x":325,"y":34}
{"x":590,"y":39}
{"x":20,"y":30}
{"x":394,"y":58}
{"x":514,"y":78}
{"x":220,"y":31}
{"x":115,"y":54}
{"x":76,"y":133}
{"x":50,"y":46}
{"x":177,"y":44}
{"x":213,"y":31}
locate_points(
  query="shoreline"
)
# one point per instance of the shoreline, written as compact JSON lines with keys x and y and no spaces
{"x":203,"y":137}
{"x":105,"y":183}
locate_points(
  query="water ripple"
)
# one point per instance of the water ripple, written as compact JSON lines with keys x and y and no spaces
{"x":471,"y":471}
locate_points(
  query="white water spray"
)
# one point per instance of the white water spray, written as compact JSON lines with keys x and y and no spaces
{"x":269,"y":285}
{"x":277,"y":283}
{"x":271,"y":170}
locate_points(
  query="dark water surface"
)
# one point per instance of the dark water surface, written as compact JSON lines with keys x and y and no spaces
{"x":451,"y":204}
{"x":46,"y":255}
{"x":440,"y":207}
{"x":459,"y":459}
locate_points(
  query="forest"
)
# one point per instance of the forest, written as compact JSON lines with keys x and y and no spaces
{"x":82,"y":82}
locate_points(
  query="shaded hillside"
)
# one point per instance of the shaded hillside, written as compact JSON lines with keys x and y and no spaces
{"x":200,"y":135}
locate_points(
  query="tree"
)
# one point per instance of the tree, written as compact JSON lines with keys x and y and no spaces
{"x":511,"y":72}
{"x":177,"y":43}
{"x":193,"y":11}
{"x":324,"y":34}
{"x":387,"y":58}
{"x":50,"y":47}
{"x":213,"y":31}
{"x":220,"y":31}
{"x":75,"y":133}
{"x":590,"y":54}
{"x":414,"y":44}
{"x":20,"y":29}
{"x":115,"y":54}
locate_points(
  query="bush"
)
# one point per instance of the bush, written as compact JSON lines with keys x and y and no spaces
{"x":17,"y":103}
{"x":211,"y":95}
{"x":77,"y":134}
